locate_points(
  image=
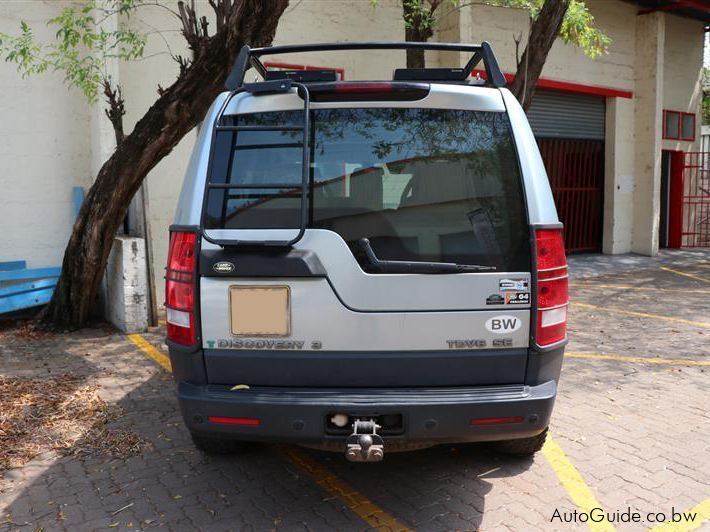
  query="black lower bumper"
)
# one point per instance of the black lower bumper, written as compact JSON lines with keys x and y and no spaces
{"x":429,"y":414}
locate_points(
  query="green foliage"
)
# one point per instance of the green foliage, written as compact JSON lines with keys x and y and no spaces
{"x":81,"y":48}
{"x":578,"y":27}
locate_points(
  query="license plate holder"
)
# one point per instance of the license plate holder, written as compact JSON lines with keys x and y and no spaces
{"x":260,"y":310}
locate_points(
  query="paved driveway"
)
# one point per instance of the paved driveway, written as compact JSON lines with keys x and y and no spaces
{"x":630,"y":431}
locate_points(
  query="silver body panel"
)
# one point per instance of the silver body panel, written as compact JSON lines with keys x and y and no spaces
{"x":361,"y":291}
{"x":318,"y":316}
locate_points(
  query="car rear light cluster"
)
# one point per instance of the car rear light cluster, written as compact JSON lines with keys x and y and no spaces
{"x":180,"y":288}
{"x":552,"y":294}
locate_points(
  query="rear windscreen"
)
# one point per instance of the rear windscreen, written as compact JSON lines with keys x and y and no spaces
{"x":422,"y":185}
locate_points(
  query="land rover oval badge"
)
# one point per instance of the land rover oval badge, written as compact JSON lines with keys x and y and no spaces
{"x":223,"y":267}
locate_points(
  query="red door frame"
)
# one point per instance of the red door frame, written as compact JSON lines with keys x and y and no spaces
{"x":675,"y":200}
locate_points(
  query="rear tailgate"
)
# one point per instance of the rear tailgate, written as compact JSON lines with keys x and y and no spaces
{"x":350,"y":329}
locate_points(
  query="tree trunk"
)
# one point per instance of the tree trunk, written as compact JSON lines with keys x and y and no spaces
{"x":178,"y":109}
{"x":415,"y":31}
{"x":543,"y":33}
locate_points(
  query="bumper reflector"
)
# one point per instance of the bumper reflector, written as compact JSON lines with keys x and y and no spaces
{"x":235,"y":420}
{"x":496,"y":420}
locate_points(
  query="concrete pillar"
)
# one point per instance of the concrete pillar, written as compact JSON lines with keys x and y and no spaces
{"x":648,"y":115}
{"x":618,"y":175}
{"x":126,"y":294}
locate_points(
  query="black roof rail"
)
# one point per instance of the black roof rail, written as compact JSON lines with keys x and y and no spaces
{"x":250,"y":57}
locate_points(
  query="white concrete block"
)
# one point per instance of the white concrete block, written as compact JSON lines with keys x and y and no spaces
{"x":126,"y":285}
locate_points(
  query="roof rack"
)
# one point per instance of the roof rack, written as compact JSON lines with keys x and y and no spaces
{"x":250,"y":58}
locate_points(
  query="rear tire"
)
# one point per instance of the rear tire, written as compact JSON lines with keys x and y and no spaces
{"x":218,"y":445}
{"x":523,"y":446}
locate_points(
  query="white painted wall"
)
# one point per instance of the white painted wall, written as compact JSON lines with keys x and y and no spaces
{"x":44,"y":149}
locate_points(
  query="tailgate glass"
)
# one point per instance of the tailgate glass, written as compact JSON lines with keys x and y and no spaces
{"x":428,"y":185}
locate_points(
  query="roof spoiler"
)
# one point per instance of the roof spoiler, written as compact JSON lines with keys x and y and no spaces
{"x":250,"y":58}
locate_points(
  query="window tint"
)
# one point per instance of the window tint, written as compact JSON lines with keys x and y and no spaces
{"x":421,"y":184}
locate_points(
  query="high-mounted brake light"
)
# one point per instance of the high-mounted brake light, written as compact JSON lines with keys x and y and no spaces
{"x":367,"y":86}
{"x":552,"y":294}
{"x":363,"y":91}
{"x":180,"y":289}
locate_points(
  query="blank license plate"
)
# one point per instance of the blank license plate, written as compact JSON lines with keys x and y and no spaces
{"x":260,"y":310}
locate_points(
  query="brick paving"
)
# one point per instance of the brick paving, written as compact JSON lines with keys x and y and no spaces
{"x":638,"y":434}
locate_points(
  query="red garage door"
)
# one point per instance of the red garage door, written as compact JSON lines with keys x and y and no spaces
{"x":576,"y":172}
{"x":570,"y":132}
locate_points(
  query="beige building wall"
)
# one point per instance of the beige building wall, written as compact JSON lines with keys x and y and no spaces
{"x":682,"y":80}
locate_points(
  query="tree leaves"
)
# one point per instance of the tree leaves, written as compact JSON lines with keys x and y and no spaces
{"x":83,"y":45}
{"x":578,"y":26}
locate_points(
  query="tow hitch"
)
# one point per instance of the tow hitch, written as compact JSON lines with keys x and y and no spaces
{"x":364,"y":444}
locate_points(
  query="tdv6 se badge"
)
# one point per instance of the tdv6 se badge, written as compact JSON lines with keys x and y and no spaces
{"x":503,"y":324}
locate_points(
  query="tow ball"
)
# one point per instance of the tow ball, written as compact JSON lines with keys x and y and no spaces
{"x":364,"y":444}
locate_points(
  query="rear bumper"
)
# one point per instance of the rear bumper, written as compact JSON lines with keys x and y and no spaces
{"x":436,"y":415}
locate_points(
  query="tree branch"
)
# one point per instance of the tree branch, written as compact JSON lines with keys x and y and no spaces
{"x":543,"y":32}
{"x":116,"y":109}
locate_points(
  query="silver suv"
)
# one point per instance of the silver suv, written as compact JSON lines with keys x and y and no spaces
{"x":367,"y":266}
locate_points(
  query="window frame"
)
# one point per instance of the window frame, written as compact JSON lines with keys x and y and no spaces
{"x":680,"y":136}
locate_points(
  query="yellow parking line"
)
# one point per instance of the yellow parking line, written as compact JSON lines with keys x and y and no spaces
{"x":702,"y":514}
{"x":150,"y":350}
{"x":684,"y":274}
{"x":573,"y":482}
{"x":367,"y":510}
{"x":703,"y":324}
{"x":641,"y":360}
{"x":631,"y":287}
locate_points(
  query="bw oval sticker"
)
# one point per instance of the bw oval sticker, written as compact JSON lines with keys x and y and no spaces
{"x":503,"y":324}
{"x":223,"y":267}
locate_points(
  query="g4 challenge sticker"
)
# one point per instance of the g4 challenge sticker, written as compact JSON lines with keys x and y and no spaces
{"x":514,"y":285}
{"x":517,"y":298}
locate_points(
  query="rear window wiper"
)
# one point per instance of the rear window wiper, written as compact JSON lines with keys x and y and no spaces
{"x":403,"y":266}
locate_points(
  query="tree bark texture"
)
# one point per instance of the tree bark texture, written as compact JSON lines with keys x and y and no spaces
{"x":178,"y":109}
{"x":543,"y":32}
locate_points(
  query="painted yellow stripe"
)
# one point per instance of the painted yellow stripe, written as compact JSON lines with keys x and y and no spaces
{"x":702,"y":512}
{"x":703,"y":324}
{"x":641,"y":360}
{"x":367,"y":510}
{"x":634,"y":288}
{"x":684,"y":274}
{"x":573,"y":482}
{"x":150,"y":350}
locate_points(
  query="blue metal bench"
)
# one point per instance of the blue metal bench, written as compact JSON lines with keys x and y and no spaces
{"x":22,"y":287}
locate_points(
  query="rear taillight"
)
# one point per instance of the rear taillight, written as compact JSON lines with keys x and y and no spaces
{"x":180,"y":288}
{"x":552,"y":295}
